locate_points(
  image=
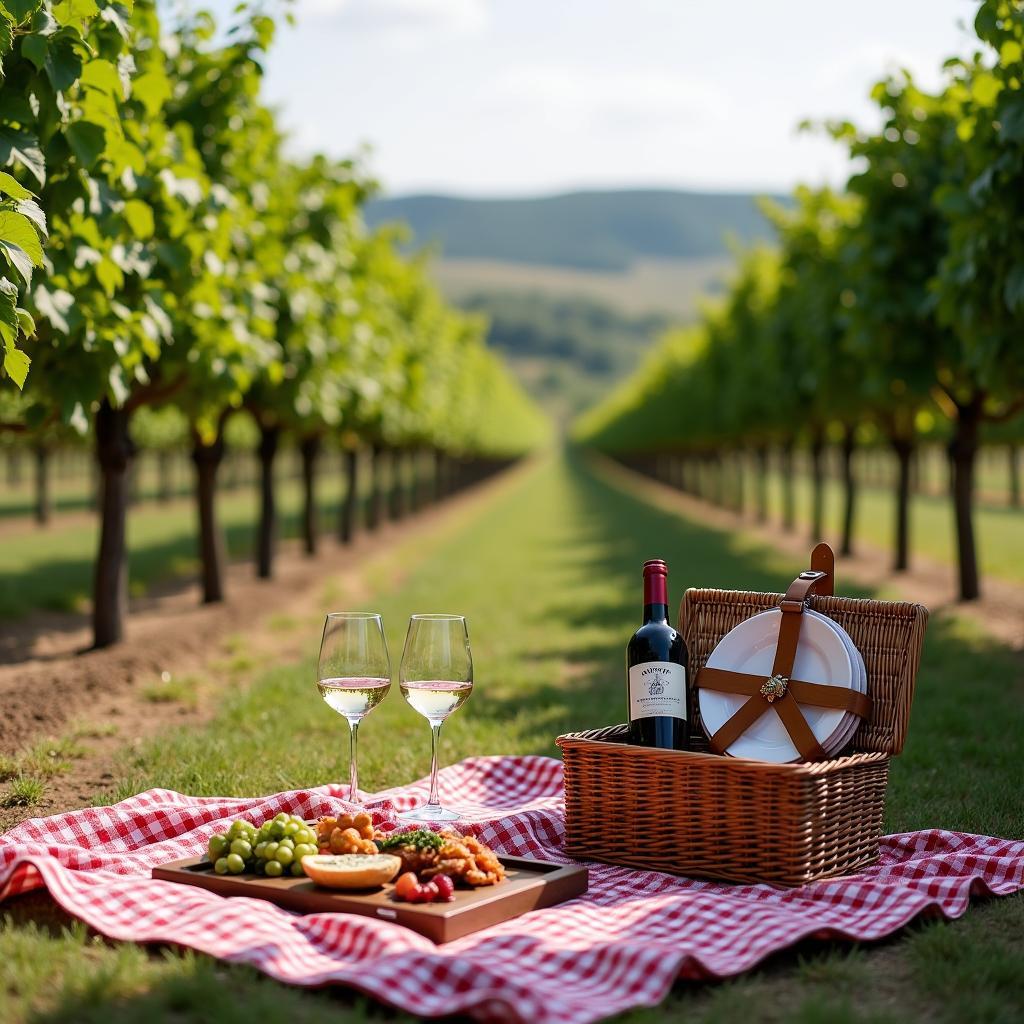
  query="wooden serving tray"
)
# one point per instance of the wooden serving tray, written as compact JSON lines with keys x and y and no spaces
{"x":528,"y":885}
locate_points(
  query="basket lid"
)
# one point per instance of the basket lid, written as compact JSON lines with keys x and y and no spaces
{"x":888,"y":634}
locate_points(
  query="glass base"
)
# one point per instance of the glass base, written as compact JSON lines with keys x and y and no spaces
{"x":428,"y":813}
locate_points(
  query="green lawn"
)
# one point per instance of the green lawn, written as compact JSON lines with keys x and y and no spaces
{"x":1000,"y":529}
{"x":548,"y":573}
{"x":52,"y":568}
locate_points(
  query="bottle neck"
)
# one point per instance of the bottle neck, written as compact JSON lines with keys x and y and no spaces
{"x":656,"y":612}
{"x":655,"y":597}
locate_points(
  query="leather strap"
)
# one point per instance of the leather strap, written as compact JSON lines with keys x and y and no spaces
{"x":786,"y":706}
{"x":819,"y":695}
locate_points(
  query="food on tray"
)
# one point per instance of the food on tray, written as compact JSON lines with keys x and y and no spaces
{"x":440,"y":889}
{"x":275,"y":848}
{"x":351,"y":871}
{"x":346,"y":852}
{"x":351,"y":833}
{"x":462,"y":858}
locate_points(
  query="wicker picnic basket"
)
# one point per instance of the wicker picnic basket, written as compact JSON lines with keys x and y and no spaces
{"x":702,"y":814}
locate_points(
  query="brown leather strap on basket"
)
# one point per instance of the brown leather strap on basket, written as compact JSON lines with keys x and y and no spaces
{"x":779,"y":692}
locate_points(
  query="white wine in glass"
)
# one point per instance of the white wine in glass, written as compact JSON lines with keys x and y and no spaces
{"x":436,"y":678}
{"x":353,"y":674}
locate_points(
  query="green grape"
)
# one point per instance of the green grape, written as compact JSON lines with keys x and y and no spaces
{"x":287,"y":841}
{"x":242,"y":847}
{"x":238,"y":829}
{"x":235,"y":864}
{"x":216,"y":847}
{"x":260,"y":850}
{"x":297,"y":870}
{"x":282,"y":817}
{"x":304,"y":850}
{"x":221,"y":867}
{"x":284,"y":855}
{"x":274,"y":869}
{"x":305,"y":836}
{"x":291,"y":828}
{"x":277,"y":830}
{"x":270,"y":851}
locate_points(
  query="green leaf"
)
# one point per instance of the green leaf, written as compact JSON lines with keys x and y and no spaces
{"x":13,"y":188}
{"x":114,"y":16}
{"x":109,"y":275}
{"x":68,"y":12}
{"x":8,"y":313}
{"x":16,"y":363}
{"x":26,"y":321}
{"x":31,"y":209}
{"x":63,"y":62}
{"x":102,"y":75}
{"x":35,"y":48}
{"x":139,"y":217}
{"x":6,"y":36}
{"x":152,"y":89}
{"x":19,"y":10}
{"x":17,"y":228}
{"x":87,"y":142}
{"x":23,"y":148}
{"x":18,"y":259}
{"x":985,"y":88}
{"x":1010,"y":52}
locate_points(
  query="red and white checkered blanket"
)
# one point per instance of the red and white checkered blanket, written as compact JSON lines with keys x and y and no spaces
{"x":619,"y":946}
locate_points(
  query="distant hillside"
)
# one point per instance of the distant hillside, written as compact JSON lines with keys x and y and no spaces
{"x":568,"y":350}
{"x":586,"y":230}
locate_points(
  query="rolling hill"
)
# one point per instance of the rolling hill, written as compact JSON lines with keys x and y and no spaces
{"x":599,"y":231}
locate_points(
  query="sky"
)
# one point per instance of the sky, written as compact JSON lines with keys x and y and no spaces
{"x":524,"y":97}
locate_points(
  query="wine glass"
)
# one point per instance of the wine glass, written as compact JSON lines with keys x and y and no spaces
{"x":436,"y":678}
{"x":353,"y":674}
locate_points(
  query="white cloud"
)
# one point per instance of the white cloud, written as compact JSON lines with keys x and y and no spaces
{"x":618,"y":99}
{"x":400,"y":18}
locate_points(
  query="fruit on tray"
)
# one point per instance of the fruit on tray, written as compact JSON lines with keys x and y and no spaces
{"x":352,"y":870}
{"x":440,"y":889}
{"x":274,"y":849}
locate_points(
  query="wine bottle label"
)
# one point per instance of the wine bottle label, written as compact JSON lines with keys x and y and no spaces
{"x":657,"y":688}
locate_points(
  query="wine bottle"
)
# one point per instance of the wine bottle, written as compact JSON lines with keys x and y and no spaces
{"x":656,"y":662}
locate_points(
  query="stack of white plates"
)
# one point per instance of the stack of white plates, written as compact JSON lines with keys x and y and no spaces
{"x":825,"y":654}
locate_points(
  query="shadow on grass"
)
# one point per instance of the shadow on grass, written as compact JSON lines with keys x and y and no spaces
{"x":63,"y":585}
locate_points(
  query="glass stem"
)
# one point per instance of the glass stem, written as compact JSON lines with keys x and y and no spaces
{"x":353,"y":767}
{"x":435,"y":736}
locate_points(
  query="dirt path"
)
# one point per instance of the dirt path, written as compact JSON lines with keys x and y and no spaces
{"x":1000,"y":612}
{"x":70,"y":717}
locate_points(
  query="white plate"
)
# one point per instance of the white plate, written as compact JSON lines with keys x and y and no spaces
{"x":845,"y":733}
{"x":822,"y":657}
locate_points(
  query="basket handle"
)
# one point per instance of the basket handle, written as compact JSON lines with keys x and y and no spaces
{"x":823,"y":559}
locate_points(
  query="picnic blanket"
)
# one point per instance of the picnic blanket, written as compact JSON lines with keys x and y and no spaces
{"x":621,"y":945}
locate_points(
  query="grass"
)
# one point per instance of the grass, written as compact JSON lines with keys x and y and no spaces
{"x":1000,"y":529}
{"x":52,"y":568}
{"x":23,"y":792}
{"x":548,"y":575}
{"x":171,"y":689}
